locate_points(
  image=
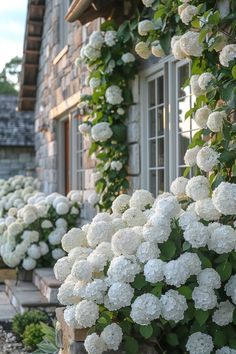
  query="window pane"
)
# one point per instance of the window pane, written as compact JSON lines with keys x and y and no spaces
{"x":183,"y":145}
{"x":160,"y":121}
{"x":152,"y":182}
{"x":160,"y":90}
{"x":161,"y":184}
{"x":183,"y":107}
{"x":152,"y":123}
{"x":183,"y":75}
{"x":160,"y":152}
{"x":152,"y":153}
{"x":151,"y":93}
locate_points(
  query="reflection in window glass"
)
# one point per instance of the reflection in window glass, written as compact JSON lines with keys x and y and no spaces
{"x":80,"y":161}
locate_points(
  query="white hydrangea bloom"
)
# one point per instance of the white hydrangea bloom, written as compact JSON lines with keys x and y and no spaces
{"x":101,"y":132}
{"x":224,"y":313}
{"x":198,"y":188}
{"x":154,"y":270}
{"x":122,"y":269}
{"x":204,"y":80}
{"x":187,"y":218}
{"x":73,"y":238}
{"x":144,"y":27}
{"x":199,"y":343}
{"x":46,"y":224}
{"x":134,"y":217}
{"x":62,"y":208}
{"x":34,"y":251}
{"x":69,"y":316}
{"x":157,"y":49}
{"x":120,"y":295}
{"x":227,"y":54}
{"x":195,"y":88}
{"x":145,"y":309}
{"x":79,"y":289}
{"x":79,"y":253}
{"x":121,"y":203}
{"x":224,"y":198}
{"x":147,"y":251}
{"x":15,"y":228}
{"x":192,"y":262}
{"x":29,"y":263}
{"x":143,"y":50}
{"x":226,"y":350}
{"x":84,"y":128}
{"x":98,"y":232}
{"x":94,"y":344}
{"x":95,"y":291}
{"x":178,"y":186}
{"x":204,"y":298}
{"x":230,"y":288}
{"x":157,"y":229}
{"x":176,"y":48}
{"x":141,"y":199}
{"x":65,"y":293}
{"x":209,"y":277}
{"x":87,"y":313}
{"x":93,"y":198}
{"x":148,"y":3}
{"x":222,"y":239}
{"x":111,"y":38}
{"x":168,"y":207}
{"x":116,"y":165}
{"x":44,"y":249}
{"x":206,"y":210}
{"x":125,"y":242}
{"x":96,"y":40}
{"x":173,"y":306}
{"x":114,"y":95}
{"x":91,"y":53}
{"x":197,"y":234}
{"x":112,"y":335}
{"x":62,"y":268}
{"x":215,"y":121}
{"x":57,"y":253}
{"x":94,"y":82}
{"x":102,"y":217}
{"x":190,"y":44}
{"x":201,"y":117}
{"x":190,"y":157}
{"x":128,"y":58}
{"x":82,"y":270}
{"x":188,"y":13}
{"x":176,"y":273}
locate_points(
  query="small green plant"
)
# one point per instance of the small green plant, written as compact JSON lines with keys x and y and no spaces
{"x":48,"y":344}
{"x":21,"y":321}
{"x":32,"y":335}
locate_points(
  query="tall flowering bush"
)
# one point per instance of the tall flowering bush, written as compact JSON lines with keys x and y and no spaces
{"x":31,"y":236}
{"x":158,"y":272}
{"x":111,"y":66}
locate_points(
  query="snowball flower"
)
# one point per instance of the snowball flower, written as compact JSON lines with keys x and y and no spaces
{"x":196,"y":234}
{"x":222,"y":239}
{"x":73,"y":238}
{"x":94,"y":82}
{"x":192,"y":262}
{"x":227,"y":54}
{"x":98,"y":232}
{"x":224,"y":313}
{"x":198,"y":188}
{"x":187,"y":218}
{"x":95,"y":291}
{"x":209,"y":277}
{"x":148,"y":3}
{"x":44,"y":249}
{"x":112,"y":335}
{"x":143,"y":50}
{"x":87,"y":313}
{"x":154,"y":270}
{"x":122,"y":269}
{"x":204,"y":298}
{"x":141,"y":199}
{"x":226,"y":350}
{"x":215,"y":121}
{"x":84,"y":128}
{"x":94,"y":344}
{"x":96,"y":39}
{"x":93,"y":198}
{"x":178,"y":186}
{"x":145,"y":309}
{"x":176,"y":273}
{"x":69,"y":316}
{"x":114,"y":95}
{"x":204,"y":80}
{"x":34,"y":251}
{"x":101,"y":132}
{"x":176,"y":48}
{"x":120,"y":295}
{"x":62,"y":268}
{"x":173,"y":306}
{"x":116,"y":165}
{"x":195,"y":88}
{"x":57,"y":253}
{"x":201,"y":117}
{"x":144,"y":27}
{"x":128,"y":58}
{"x":206,"y":210}
{"x":82,"y":270}
{"x":190,"y":157}
{"x":125,"y":242}
{"x":207,"y":158}
{"x":157,"y":50}
{"x":120,"y":204}
{"x":224,"y":198}
{"x":29,"y":263}
{"x":230,"y":288}
{"x":190,"y":44}
{"x":188,"y":13}
{"x":110,"y":38}
{"x":146,"y":251}
{"x":134,"y":217}
{"x":199,"y":343}
{"x":91,"y":53}
{"x":168,"y":207}
{"x":157,"y":229}
{"x":62,"y":208}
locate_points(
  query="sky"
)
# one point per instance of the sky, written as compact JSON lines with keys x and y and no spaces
{"x":12,"y":27}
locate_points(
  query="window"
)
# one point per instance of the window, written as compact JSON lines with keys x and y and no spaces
{"x":166,"y":132}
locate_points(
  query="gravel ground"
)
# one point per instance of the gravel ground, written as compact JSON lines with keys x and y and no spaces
{"x":8,"y":342}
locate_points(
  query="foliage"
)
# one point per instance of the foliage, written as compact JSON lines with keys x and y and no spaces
{"x":48,"y":344}
{"x":21,"y":321}
{"x":9,"y":77}
{"x":32,"y":335}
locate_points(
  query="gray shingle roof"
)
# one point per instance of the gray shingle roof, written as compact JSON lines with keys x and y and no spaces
{"x":16,"y":128}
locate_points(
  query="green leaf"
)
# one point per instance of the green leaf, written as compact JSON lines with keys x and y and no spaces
{"x":219,"y":338}
{"x":186,"y":291}
{"x":168,"y":249}
{"x":214,"y":19}
{"x":146,"y":331}
{"x":172,"y":339}
{"x":119,"y":132}
{"x":126,"y":326}
{"x":225,"y":270}
{"x":234,"y":71}
{"x":201,"y":316}
{"x":157,"y":289}
{"x":131,"y":345}
{"x":139,"y":282}
{"x":186,"y":246}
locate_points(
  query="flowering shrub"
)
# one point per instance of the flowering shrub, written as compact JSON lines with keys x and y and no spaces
{"x":111,"y":66}
{"x":155,"y":271}
{"x":31,"y":236}
{"x":15,"y":192}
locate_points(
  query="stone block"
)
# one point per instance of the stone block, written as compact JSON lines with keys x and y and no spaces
{"x":52,"y":148}
{"x":134,"y":160}
{"x":133,"y":132}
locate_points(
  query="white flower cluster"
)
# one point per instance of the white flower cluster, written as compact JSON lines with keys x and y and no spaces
{"x":114,"y":95}
{"x":101,"y":132}
{"x":37,"y":228}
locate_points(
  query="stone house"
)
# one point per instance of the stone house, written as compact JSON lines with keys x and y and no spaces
{"x":16,"y":139}
{"x":158,"y":134}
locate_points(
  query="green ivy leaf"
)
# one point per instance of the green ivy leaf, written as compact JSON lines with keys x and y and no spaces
{"x":219,"y":338}
{"x":234,"y":71}
{"x":131,"y":345}
{"x":186,"y":292}
{"x":168,"y":249}
{"x":139,"y":282}
{"x":225,"y":270}
{"x":172,"y":339}
{"x":146,"y":331}
{"x":201,"y":316}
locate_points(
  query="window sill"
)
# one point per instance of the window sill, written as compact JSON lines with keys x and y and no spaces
{"x":60,"y":55}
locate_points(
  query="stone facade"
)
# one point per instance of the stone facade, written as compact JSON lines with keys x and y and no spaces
{"x":17,"y":155}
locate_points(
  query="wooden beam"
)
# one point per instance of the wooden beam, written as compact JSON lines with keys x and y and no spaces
{"x":32,"y":51}
{"x":29,"y":87}
{"x":30,"y":99}
{"x":31,"y":65}
{"x":34,"y":38}
{"x":35,"y":23}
